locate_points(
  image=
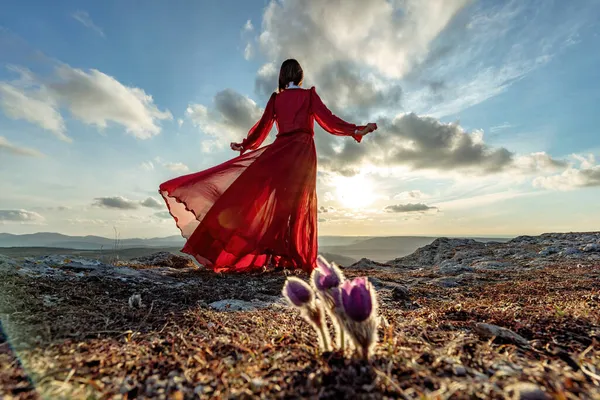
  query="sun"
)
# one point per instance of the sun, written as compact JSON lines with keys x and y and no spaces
{"x":354,"y":192}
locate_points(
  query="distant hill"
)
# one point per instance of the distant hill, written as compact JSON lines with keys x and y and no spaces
{"x":344,"y":250}
{"x":382,"y":249}
{"x":48,"y":239}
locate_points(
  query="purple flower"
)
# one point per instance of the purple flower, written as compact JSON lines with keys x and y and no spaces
{"x":357,"y":299}
{"x":325,"y":275}
{"x":298,"y":292}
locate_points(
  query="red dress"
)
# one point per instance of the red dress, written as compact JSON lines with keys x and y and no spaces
{"x":261,"y":207}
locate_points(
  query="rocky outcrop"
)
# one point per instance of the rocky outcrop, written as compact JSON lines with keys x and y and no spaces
{"x":456,"y":256}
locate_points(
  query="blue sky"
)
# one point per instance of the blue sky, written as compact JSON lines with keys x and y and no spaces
{"x":486,"y":110}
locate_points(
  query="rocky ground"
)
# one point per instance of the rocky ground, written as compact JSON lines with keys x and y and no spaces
{"x":463,"y":319}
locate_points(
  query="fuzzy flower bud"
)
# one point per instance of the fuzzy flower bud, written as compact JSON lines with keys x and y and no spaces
{"x":359,"y":303}
{"x":357,"y":299}
{"x":301,"y":295}
{"x":326,"y":275}
{"x":297,"y":292}
{"x":326,"y":280}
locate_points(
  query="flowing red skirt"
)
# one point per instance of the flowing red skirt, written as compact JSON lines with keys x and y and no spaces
{"x":259,"y":208}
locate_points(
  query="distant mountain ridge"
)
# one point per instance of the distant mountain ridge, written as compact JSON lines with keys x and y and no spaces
{"x":346,"y":248}
{"x":50,"y":239}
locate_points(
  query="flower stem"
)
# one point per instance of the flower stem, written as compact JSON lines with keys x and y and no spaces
{"x":324,"y":337}
{"x":342,"y":338}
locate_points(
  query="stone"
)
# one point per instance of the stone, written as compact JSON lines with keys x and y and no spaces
{"x":548,"y":251}
{"x":590,"y":247}
{"x":450,"y":267}
{"x":447,"y":282}
{"x":527,"y":391}
{"x":491,"y":265}
{"x":400,"y":292}
{"x":459,"y":370}
{"x":239,"y":305}
{"x":489,"y":331}
{"x":569,"y":251}
{"x":365,"y":263}
{"x":433,"y":254}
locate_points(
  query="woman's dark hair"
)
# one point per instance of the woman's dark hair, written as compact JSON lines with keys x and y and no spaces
{"x":290,"y":71}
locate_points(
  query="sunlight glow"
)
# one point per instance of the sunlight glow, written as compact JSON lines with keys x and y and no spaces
{"x":354,"y":192}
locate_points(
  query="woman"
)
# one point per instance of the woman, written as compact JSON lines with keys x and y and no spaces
{"x":260,"y":208}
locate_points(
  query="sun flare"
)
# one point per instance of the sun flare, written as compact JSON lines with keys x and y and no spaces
{"x":354,"y":192}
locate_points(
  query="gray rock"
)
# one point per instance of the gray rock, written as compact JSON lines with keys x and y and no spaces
{"x":489,"y":331}
{"x":400,"y":292}
{"x":239,"y":305}
{"x":527,"y":391}
{"x":365,"y":263}
{"x":447,"y":282}
{"x":591,"y":247}
{"x":459,"y":370}
{"x":451,"y":267}
{"x":6,"y":261}
{"x":433,"y":254}
{"x":491,"y":265}
{"x":397,"y":291}
{"x":548,"y":251}
{"x":569,"y":251}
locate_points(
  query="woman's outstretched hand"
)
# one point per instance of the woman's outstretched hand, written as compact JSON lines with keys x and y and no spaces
{"x":236,"y":146}
{"x":368,"y":129}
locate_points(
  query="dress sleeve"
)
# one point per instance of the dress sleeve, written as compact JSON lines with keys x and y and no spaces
{"x":330,"y":122}
{"x":259,"y":132}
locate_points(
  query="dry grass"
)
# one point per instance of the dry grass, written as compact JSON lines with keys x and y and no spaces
{"x":80,"y":339}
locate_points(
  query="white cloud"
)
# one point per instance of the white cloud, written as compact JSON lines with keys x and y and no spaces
{"x":20,"y":216}
{"x":7,"y":147}
{"x":87,"y":221}
{"x":96,"y":99}
{"x":177,"y":167}
{"x":147,"y":165}
{"x":536,"y":162}
{"x":163,"y":215}
{"x":501,"y":127}
{"x":231,"y":118}
{"x":171,"y":166}
{"x":390,"y":36}
{"x":248,"y":51}
{"x":151,"y":202}
{"x":470,"y":202}
{"x":116,"y":202}
{"x":587,"y":175}
{"x":471,"y":70}
{"x":266,"y":80}
{"x":411,"y":195}
{"x":409,"y":208}
{"x":122,"y":203}
{"x":84,"y":18}
{"x":92,"y":97}
{"x":420,"y":143}
{"x":34,"y":105}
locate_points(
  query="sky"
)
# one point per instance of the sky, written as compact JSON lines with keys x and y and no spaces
{"x":487,"y":110}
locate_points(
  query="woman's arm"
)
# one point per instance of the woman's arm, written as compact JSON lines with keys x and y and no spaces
{"x":259,"y":132}
{"x":335,"y":125}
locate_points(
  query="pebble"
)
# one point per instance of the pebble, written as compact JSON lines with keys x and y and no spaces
{"x":527,"y":391}
{"x":238,"y":305}
{"x":489,"y":331}
{"x":459,"y":370}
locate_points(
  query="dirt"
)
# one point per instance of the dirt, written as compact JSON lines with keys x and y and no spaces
{"x":79,"y":338}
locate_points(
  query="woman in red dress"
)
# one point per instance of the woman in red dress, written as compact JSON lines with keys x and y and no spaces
{"x":260,"y":208}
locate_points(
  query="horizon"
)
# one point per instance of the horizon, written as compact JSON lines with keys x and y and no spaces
{"x":487,"y":124}
{"x":482,"y":236}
